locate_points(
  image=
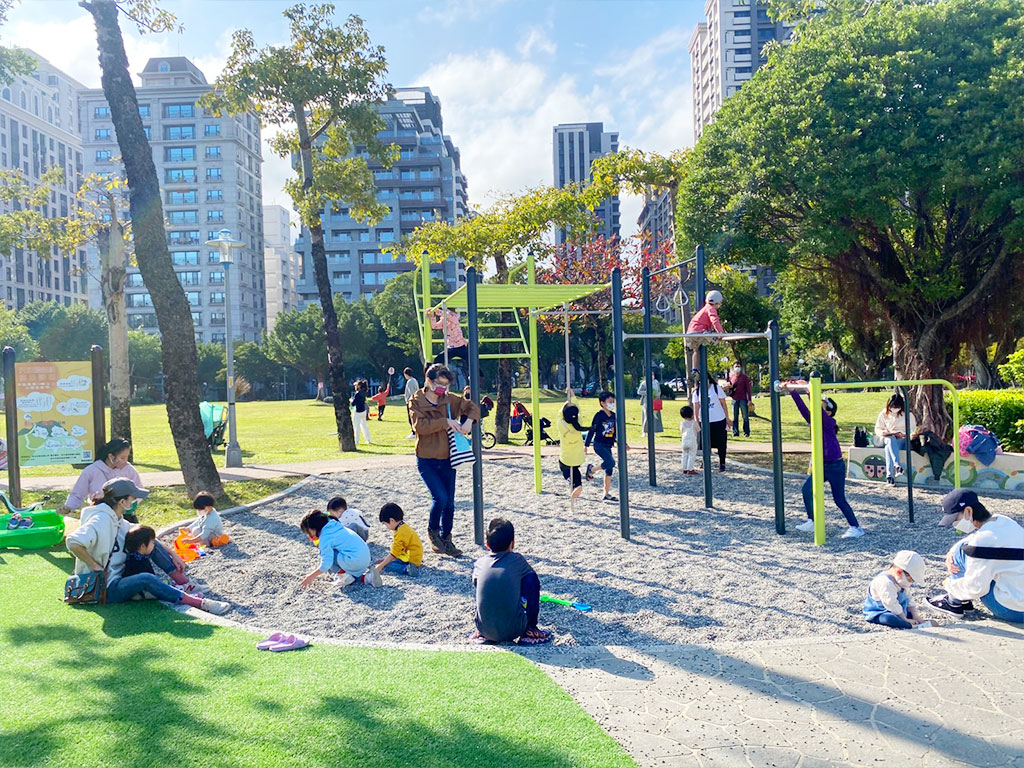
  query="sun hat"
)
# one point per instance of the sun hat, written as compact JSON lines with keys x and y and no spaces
{"x":911,"y":562}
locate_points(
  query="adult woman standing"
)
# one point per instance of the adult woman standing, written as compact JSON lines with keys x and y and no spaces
{"x":98,"y":545}
{"x":656,"y":395}
{"x":890,"y":426}
{"x":112,"y":463}
{"x":434,"y":411}
{"x":717,"y":431}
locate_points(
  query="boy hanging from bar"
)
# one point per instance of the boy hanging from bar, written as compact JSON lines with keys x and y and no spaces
{"x":705,"y":321}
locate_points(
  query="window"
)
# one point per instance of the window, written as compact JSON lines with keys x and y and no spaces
{"x":369,"y":278}
{"x":211,"y":129}
{"x":148,"y":131}
{"x":345,"y":237}
{"x":213,"y":153}
{"x":386,"y":237}
{"x":408,"y":175}
{"x":428,"y":174}
{"x":214,"y":195}
{"x":186,"y":237}
{"x":183,"y":217}
{"x":179,"y":132}
{"x":344,"y":278}
{"x":216,"y":318}
{"x":180,"y":176}
{"x":216,"y":278}
{"x":102,"y":155}
{"x":102,"y":134}
{"x":175,"y":111}
{"x":164,"y":67}
{"x":99,"y":112}
{"x":364,"y":237}
{"x":217,"y":297}
{"x":144,"y":111}
{"x":190,"y":278}
{"x":179,"y":154}
{"x":366,"y":257}
{"x":184,"y":197}
{"x":218,"y":338}
{"x":383,"y":175}
{"x":194,"y":298}
{"x":183,"y":258}
{"x":743,"y":70}
{"x":142,"y":320}
{"x":427,"y":195}
{"x":213,"y":257}
{"x":214,"y":174}
{"x":134,"y":280}
{"x":215,"y":215}
{"x":138,"y":300}
{"x":741,"y":15}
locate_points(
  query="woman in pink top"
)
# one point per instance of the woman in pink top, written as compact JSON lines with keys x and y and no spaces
{"x":112,"y":462}
{"x":457,"y":344}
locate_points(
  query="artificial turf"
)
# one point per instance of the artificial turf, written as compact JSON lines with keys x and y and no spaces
{"x":140,"y":685}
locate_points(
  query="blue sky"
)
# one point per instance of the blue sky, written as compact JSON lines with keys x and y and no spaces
{"x":506,"y":71}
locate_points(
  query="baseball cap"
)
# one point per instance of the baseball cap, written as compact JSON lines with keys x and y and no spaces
{"x":124,"y":487}
{"x":953,"y":504}
{"x":911,"y":562}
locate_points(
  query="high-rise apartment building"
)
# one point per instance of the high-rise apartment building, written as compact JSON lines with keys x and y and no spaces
{"x":654,"y":222}
{"x":280,"y":262}
{"x":574,"y":147}
{"x":424,"y":184}
{"x":210,"y":179}
{"x":725,"y":51}
{"x":38,"y":131}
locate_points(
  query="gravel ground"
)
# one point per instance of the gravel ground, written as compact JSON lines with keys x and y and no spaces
{"x":686,"y":577}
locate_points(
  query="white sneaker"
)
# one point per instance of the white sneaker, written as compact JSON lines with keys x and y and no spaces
{"x":853,"y":532}
{"x":342,"y":580}
{"x":806,"y":527}
{"x":410,"y":436}
{"x":216,"y":607}
{"x":372,"y":577}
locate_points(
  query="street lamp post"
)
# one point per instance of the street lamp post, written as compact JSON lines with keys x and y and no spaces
{"x":233,"y":453}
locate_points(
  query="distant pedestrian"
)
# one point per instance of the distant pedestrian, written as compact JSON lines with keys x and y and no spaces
{"x":411,"y":386}
{"x":741,"y":394}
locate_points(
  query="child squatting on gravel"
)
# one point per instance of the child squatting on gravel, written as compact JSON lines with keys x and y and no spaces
{"x":352,"y":519}
{"x":341,"y":551}
{"x":507,"y":591}
{"x":406,"y":555}
{"x":888,"y":599}
{"x":207,"y":529}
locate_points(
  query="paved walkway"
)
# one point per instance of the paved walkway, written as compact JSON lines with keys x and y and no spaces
{"x":951,"y":696}
{"x":356,"y":463}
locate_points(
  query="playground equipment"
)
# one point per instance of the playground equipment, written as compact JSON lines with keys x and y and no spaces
{"x":187,"y":552}
{"x":46,"y":530}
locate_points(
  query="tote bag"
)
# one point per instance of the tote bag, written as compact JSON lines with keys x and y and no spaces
{"x":460,"y":449}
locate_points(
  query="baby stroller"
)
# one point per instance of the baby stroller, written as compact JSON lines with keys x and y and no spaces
{"x":215,"y":421}
{"x":526,"y":418}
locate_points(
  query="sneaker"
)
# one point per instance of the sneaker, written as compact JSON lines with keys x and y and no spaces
{"x":941,"y":604}
{"x":14,"y":522}
{"x":412,"y":570}
{"x":26,"y":522}
{"x":853,"y":532}
{"x":216,"y":607}
{"x":372,"y":577}
{"x":609,"y":497}
{"x":449,"y":547}
{"x":435,"y":540}
{"x":899,"y":470}
{"x":410,"y":436}
{"x":342,"y":580}
{"x":721,"y":469}
{"x":807,"y":526}
{"x":590,"y":472}
{"x":890,"y":480}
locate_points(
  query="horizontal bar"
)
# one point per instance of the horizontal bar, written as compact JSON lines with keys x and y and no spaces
{"x":870,"y":384}
{"x":708,"y":336}
{"x":561,"y":313}
{"x":497,"y":325}
{"x":514,"y":356}
{"x":670,"y":267}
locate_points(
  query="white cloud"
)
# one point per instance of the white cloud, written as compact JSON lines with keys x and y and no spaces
{"x":449,"y":12}
{"x":536,"y":40}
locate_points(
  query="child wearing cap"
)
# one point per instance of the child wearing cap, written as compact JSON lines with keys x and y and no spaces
{"x":705,"y":321}
{"x":888,"y":599}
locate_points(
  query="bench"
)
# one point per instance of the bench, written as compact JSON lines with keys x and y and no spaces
{"x":1005,"y":473}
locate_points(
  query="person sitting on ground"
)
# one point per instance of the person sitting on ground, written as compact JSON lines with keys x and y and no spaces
{"x":602,"y":435}
{"x":688,"y":436}
{"x":891,"y":426}
{"x":342,"y":552}
{"x":406,"y":555}
{"x":507,"y":591}
{"x":99,"y":545}
{"x":381,"y":399}
{"x":988,"y":563}
{"x":571,"y":451}
{"x":888,"y":599}
{"x":207,"y":529}
{"x":832,"y":460}
{"x":705,"y":321}
{"x":111,"y":463}
{"x":353,"y":519}
{"x":139,"y":543}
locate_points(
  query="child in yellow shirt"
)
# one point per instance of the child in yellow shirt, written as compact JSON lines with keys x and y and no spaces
{"x":406,"y":555}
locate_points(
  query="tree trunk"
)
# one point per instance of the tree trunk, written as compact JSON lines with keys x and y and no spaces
{"x":915,"y":361}
{"x":602,"y":370}
{"x":983,"y":370}
{"x":112,"y":280}
{"x":174,"y":318}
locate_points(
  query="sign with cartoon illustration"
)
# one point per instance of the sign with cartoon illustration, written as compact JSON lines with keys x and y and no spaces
{"x":55,"y":413}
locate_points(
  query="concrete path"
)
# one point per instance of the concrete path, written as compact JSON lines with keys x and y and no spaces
{"x":951,"y":696}
{"x":356,"y":463}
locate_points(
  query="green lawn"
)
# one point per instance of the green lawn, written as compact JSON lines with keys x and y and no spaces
{"x":303,"y":430}
{"x":140,"y":685}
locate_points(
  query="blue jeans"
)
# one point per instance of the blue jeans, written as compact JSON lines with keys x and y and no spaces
{"x":894,"y":447}
{"x":607,"y":461}
{"x":439,"y":478}
{"x":529,"y":592}
{"x":889,"y":619}
{"x":1001,"y":611}
{"x":835,"y":476}
{"x":398,"y":566}
{"x":121,"y":590}
{"x":741,"y":407}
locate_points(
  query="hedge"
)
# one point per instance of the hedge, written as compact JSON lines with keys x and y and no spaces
{"x":1001,"y":411}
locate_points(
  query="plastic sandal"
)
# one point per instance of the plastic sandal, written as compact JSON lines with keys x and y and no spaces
{"x":274,"y":639}
{"x":289,"y":643}
{"x":536,"y":637}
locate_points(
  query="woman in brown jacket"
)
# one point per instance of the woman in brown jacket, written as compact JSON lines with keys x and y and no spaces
{"x":434,"y":411}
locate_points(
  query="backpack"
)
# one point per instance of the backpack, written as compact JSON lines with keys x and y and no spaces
{"x":860,"y":437}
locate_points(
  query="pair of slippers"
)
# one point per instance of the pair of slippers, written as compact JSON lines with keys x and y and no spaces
{"x":282,"y":642}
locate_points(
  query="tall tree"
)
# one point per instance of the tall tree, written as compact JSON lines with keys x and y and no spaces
{"x":321,"y":91}
{"x":14,"y":334}
{"x":13,"y":61}
{"x":298,"y":340}
{"x":889,"y":148}
{"x":174,"y":318}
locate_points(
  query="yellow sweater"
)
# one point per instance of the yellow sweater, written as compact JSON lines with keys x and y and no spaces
{"x":570,"y":451}
{"x":407,"y":546}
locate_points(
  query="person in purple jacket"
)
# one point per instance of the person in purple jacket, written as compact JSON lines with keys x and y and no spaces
{"x":835,"y":466}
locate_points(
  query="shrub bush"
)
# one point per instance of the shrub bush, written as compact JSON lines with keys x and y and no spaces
{"x":1001,"y":411}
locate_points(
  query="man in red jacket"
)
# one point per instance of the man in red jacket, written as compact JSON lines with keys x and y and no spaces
{"x":741,"y":394}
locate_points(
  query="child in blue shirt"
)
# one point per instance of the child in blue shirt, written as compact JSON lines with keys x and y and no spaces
{"x":341,"y":551}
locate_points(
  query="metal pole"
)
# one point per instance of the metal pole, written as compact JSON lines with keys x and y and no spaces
{"x":233,"y":453}
{"x":620,"y":412}
{"x":684,"y":300}
{"x":652,"y":467}
{"x":531,"y":276}
{"x":444,"y":329}
{"x":817,"y":460}
{"x":474,"y":394}
{"x":99,"y":421}
{"x":910,"y":466}
{"x":11,"y":418}
{"x":568,"y":375}
{"x":428,"y":332}
{"x":773,"y":375}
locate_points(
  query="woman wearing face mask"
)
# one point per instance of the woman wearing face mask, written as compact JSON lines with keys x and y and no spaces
{"x":656,"y":395}
{"x":98,"y":545}
{"x":434,"y":411}
{"x":741,"y":394}
{"x":112,"y":463}
{"x":987,"y":564}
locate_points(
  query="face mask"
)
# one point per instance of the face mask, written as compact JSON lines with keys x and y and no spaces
{"x":611,"y":407}
{"x":133,"y":507}
{"x":737,"y":370}
{"x":904,"y":581}
{"x":964,"y":525}
{"x":439,"y":391}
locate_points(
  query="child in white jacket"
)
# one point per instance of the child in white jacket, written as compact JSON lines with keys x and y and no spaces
{"x":688,"y":435}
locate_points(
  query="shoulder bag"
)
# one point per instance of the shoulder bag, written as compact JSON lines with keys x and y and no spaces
{"x":460,"y":448}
